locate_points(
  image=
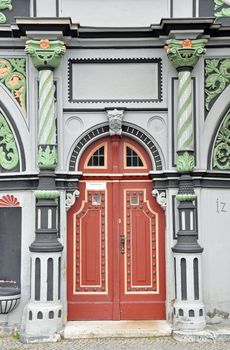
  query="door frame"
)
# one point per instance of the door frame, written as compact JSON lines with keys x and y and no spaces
{"x":131,"y":175}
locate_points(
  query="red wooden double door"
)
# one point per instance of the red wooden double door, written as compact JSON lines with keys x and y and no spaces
{"x":115,"y":247}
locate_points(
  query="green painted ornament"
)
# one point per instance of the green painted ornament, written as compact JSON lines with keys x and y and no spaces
{"x":45,"y":52}
{"x":186,"y":197}
{"x":185,"y":162}
{"x":47,"y":157}
{"x":4,"y":4}
{"x":185,"y":53}
{"x":9,"y":157}
{"x":46,"y":194}
{"x":221,"y":153}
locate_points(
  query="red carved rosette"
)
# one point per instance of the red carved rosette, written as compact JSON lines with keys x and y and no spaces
{"x":9,"y":201}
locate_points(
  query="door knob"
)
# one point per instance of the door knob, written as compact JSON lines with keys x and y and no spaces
{"x":122,"y":242}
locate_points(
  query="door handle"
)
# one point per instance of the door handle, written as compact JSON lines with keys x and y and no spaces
{"x":122,"y":242}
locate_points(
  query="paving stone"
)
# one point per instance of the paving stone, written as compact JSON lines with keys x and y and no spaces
{"x":166,"y":343}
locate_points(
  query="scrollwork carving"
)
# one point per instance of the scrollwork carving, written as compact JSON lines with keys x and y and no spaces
{"x":4,"y":4}
{"x":70,"y":198}
{"x":217,"y":78}
{"x":160,"y":197}
{"x":13,"y":76}
{"x":221,"y":154}
{"x":221,"y":6}
{"x":9,"y":157}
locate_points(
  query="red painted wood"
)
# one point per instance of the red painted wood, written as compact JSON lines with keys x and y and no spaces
{"x":90,"y":241}
{"x":134,"y":282}
{"x":142,"y":293}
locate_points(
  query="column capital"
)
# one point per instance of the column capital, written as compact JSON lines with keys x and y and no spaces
{"x":184,"y":54}
{"x":45,"y":53}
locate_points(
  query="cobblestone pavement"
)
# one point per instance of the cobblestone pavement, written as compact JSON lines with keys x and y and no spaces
{"x":166,"y":343}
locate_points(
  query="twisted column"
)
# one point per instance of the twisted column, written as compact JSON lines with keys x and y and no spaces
{"x":44,"y":312}
{"x":188,"y":308}
{"x":47,"y":128}
{"x":184,"y":117}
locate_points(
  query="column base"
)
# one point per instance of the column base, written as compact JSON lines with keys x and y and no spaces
{"x":42,"y":322}
{"x":189,"y":316}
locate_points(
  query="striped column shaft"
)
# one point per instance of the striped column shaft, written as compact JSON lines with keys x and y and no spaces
{"x":47,"y":127}
{"x":185,"y":113}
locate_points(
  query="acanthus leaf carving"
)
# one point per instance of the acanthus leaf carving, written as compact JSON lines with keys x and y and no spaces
{"x":13,"y":76}
{"x":4,"y":4}
{"x":217,"y":78}
{"x":9,"y":157}
{"x":222,"y":10}
{"x":221,"y":154}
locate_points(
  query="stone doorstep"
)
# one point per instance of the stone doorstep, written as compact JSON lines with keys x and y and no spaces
{"x":215,"y":332}
{"x":116,"y":329}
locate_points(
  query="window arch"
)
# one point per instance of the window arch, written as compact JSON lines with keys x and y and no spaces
{"x":97,"y":158}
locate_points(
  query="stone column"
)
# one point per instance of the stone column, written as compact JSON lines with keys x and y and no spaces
{"x":44,"y":312}
{"x":188,"y":307}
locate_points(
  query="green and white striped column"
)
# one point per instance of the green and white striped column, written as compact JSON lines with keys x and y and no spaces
{"x":46,"y":56}
{"x":188,"y":309}
{"x":46,"y":250}
{"x":46,"y":125}
{"x":185,"y":113}
{"x":184,"y":55}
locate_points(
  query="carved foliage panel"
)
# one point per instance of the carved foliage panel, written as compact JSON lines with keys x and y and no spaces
{"x":13,"y":76}
{"x":221,"y":151}
{"x":217,"y":78}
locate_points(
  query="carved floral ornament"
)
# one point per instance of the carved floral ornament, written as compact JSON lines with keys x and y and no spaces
{"x":9,"y":157}
{"x":217,"y":78}
{"x":222,"y":8}
{"x":221,"y":153}
{"x":13,"y":76}
{"x":4,"y":4}
{"x":45,"y":52}
{"x":185,"y":53}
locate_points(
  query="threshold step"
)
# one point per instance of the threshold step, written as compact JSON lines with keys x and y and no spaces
{"x":116,"y":329}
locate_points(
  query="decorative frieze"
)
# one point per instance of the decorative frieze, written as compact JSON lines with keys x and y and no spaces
{"x":13,"y":76}
{"x":4,"y":4}
{"x":217,"y":78}
{"x":221,"y":153}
